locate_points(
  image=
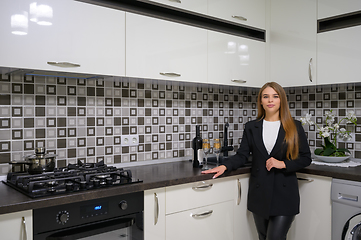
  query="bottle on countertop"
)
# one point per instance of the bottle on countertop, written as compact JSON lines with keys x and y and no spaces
{"x":197,"y":148}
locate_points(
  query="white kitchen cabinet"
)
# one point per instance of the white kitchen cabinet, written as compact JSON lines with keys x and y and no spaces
{"x":200,"y":210}
{"x":235,"y":60}
{"x":212,"y":222}
{"x":292,"y":42}
{"x":330,"y":8}
{"x":338,"y":59}
{"x":17,"y":226}
{"x":246,"y":12}
{"x":243,"y":224}
{"x":154,"y":214}
{"x":80,"y":33}
{"x":160,"y":49}
{"x":314,"y":220}
{"x":197,"y":6}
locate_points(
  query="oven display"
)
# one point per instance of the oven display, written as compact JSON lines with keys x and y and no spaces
{"x":94,"y":210}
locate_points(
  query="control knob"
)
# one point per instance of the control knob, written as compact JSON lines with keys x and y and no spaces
{"x":123,"y":205}
{"x":62,"y":217}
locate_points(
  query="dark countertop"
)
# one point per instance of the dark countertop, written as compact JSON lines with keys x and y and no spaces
{"x":153,"y":176}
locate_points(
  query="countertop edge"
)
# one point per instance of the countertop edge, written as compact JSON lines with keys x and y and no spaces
{"x":155,"y":176}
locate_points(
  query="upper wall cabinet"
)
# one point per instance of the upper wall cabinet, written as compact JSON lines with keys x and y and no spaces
{"x":61,"y":36}
{"x":251,"y":13}
{"x":198,"y":6}
{"x":330,"y":8}
{"x":292,"y":42}
{"x":166,"y":50}
{"x":338,"y":56}
{"x":235,"y":60}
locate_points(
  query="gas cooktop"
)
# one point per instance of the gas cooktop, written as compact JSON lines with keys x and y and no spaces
{"x":72,"y":178}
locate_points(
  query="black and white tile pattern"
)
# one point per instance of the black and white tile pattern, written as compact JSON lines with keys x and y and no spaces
{"x":84,"y":120}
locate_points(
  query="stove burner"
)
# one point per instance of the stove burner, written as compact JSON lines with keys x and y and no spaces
{"x":72,"y":178}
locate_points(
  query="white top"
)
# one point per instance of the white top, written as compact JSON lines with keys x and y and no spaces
{"x":270,"y":134}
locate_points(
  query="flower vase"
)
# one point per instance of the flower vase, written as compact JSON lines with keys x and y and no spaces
{"x":329,"y":159}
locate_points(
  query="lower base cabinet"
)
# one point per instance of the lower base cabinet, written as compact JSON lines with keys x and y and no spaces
{"x":217,"y":209}
{"x":213,"y":209}
{"x":154,"y":214}
{"x":243,"y":224}
{"x":209,"y":222}
{"x":17,"y":226}
{"x":314,"y":220}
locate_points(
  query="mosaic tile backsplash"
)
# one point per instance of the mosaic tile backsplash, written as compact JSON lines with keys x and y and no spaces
{"x":85,"y":119}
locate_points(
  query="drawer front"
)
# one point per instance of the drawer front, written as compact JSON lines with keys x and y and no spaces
{"x":194,"y":195}
{"x":210,"y":222}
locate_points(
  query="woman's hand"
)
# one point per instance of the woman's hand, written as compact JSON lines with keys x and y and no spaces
{"x":274,"y":163}
{"x":217,"y":170}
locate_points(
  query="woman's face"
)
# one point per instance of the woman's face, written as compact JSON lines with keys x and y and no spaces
{"x":270,"y":101}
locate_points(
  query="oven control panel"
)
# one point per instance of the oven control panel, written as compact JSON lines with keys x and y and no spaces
{"x":78,"y":213}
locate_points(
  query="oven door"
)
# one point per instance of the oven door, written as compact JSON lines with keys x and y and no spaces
{"x":126,"y":228}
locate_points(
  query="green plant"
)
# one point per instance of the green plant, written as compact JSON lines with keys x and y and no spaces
{"x":332,"y":129}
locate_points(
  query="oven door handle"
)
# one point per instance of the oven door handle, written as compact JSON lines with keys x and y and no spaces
{"x":92,"y":229}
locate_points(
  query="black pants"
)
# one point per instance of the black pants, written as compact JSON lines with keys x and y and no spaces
{"x":274,"y":228}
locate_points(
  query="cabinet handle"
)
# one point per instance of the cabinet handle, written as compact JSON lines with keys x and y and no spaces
{"x":202,"y":215}
{"x":238,"y":80}
{"x":348,"y":197}
{"x":170,"y":74}
{"x":203,"y":187}
{"x":156,"y":208}
{"x":239,"y":191}
{"x":64,"y":64}
{"x":177,"y":1}
{"x":305,"y":179}
{"x":25,"y":235}
{"x":239,"y":18}
{"x":310,"y":70}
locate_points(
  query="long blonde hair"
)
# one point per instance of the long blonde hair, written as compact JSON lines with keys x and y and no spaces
{"x":291,"y":134}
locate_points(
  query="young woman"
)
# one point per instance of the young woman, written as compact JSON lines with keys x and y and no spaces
{"x":279,"y":148}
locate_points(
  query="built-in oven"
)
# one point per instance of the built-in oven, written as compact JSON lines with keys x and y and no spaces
{"x":110,"y":218}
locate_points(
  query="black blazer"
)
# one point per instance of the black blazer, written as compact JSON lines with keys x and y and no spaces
{"x":275,"y":192}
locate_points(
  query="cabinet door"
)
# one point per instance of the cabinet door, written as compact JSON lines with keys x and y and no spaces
{"x":198,"y":6}
{"x":166,"y":50}
{"x":154,"y":214}
{"x":314,"y":220}
{"x":292,"y":42}
{"x":17,"y":226}
{"x":211,"y":222}
{"x":244,"y":227}
{"x":88,"y":35}
{"x":247,"y":12}
{"x":235,"y":60}
{"x":330,"y":8}
{"x":338,"y":57}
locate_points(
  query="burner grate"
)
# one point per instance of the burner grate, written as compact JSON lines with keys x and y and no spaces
{"x":72,"y":178}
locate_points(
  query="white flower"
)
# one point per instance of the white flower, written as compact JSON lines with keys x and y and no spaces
{"x":332,"y":128}
{"x":325,"y":134}
{"x":307,"y":119}
{"x":329,"y":114}
{"x":342,"y":130}
{"x":351,"y":117}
